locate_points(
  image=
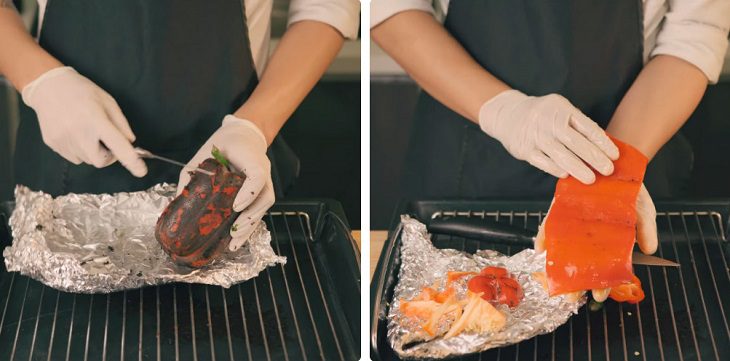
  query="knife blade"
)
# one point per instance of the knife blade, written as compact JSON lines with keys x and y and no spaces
{"x":490,"y":230}
{"x":149,"y":155}
{"x":649,"y":260}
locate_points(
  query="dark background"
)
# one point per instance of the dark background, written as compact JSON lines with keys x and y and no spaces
{"x":325,"y":134}
{"x":393,"y":100}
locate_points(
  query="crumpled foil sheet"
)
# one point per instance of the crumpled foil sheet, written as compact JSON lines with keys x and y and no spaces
{"x":91,"y":243}
{"x":422,"y":264}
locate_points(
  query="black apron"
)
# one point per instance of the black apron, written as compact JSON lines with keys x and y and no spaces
{"x":176,"y":68}
{"x":587,"y":51}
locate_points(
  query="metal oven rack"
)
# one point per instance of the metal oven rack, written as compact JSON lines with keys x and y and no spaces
{"x":683,"y":317}
{"x":307,"y":309}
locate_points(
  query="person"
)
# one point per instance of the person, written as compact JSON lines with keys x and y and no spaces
{"x":518,"y":93}
{"x":173,"y":77}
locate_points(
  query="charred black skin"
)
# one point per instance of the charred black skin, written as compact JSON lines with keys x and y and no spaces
{"x":195,"y":227}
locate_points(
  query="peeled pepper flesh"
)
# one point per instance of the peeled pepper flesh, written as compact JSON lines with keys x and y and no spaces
{"x":590,"y":231}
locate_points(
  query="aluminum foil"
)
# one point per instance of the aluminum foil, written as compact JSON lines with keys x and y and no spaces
{"x":103,"y":243}
{"x":422,"y":264}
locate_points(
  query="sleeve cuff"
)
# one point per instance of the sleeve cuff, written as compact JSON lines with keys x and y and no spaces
{"x":341,"y":15}
{"x":381,"y":10}
{"x":701,"y":45}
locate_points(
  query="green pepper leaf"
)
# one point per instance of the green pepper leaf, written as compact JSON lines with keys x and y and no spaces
{"x":220,"y":157}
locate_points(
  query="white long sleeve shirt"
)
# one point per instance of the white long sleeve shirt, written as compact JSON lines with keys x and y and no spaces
{"x":693,"y":30}
{"x":343,"y":15}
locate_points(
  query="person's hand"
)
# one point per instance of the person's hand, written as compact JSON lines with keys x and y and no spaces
{"x":81,"y":122}
{"x":244,"y":145}
{"x":549,"y":133}
{"x":646,"y":233}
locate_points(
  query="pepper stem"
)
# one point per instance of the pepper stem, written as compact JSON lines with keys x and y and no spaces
{"x":218,"y":155}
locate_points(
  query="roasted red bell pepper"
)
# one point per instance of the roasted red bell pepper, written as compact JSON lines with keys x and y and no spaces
{"x":590,"y":231}
{"x":195,"y":227}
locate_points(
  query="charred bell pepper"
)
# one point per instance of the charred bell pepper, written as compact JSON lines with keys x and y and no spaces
{"x":195,"y":227}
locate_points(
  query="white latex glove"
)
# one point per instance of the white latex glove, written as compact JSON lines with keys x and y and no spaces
{"x":244,"y":145}
{"x":646,"y":233}
{"x":549,"y":133}
{"x":82,"y":122}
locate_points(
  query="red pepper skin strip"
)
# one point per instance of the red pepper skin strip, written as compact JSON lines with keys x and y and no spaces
{"x":590,"y":231}
{"x":485,"y":286}
{"x":453,"y":276}
{"x":496,"y":286}
{"x":628,"y":292}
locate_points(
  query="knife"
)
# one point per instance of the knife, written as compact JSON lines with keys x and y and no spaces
{"x":649,"y":260}
{"x":149,"y":155}
{"x":490,"y":230}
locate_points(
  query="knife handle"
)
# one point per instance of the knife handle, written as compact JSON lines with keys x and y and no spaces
{"x":482,"y":230}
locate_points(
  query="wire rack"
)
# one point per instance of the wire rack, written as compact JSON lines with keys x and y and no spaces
{"x":288,"y":312}
{"x":683,"y":317}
